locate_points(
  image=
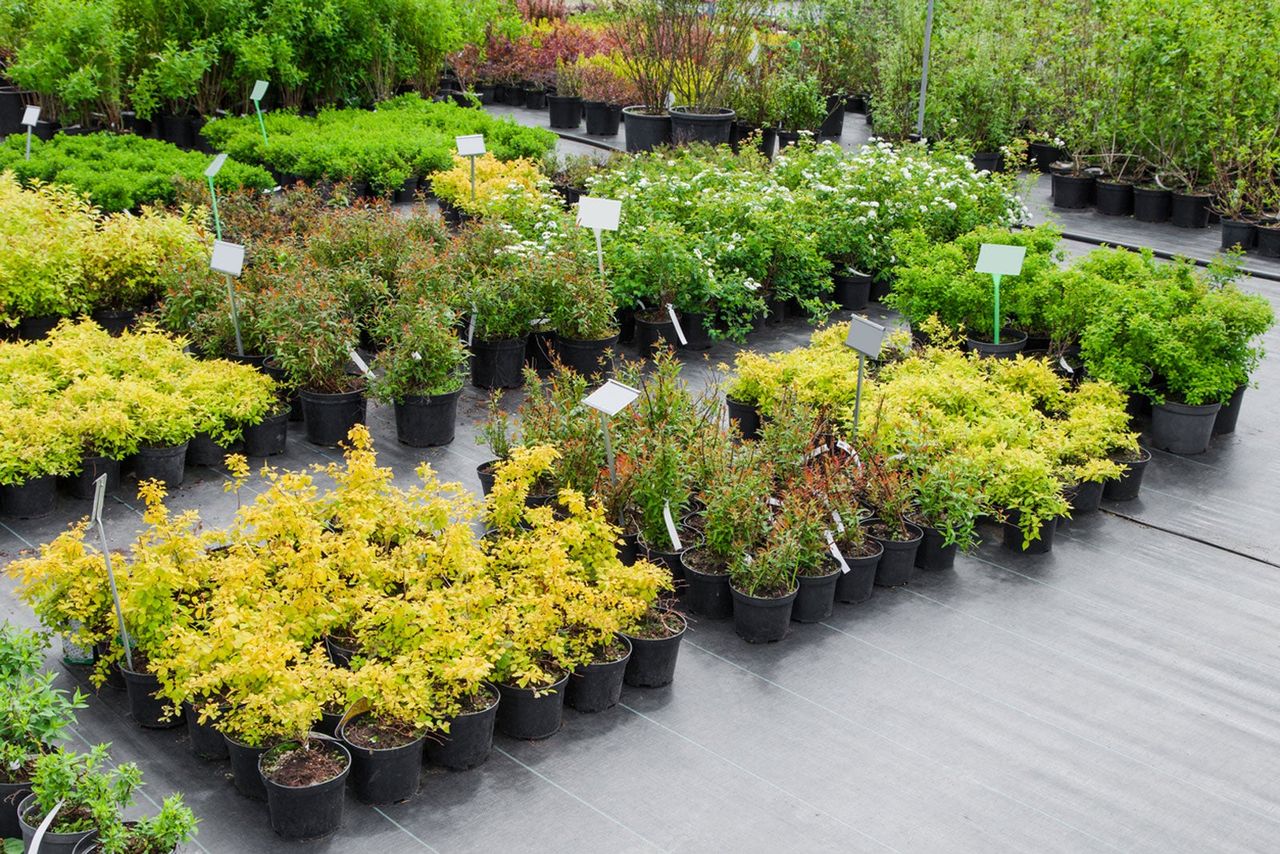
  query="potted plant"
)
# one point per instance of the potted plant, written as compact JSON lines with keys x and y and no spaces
{"x":949,"y":502}
{"x":505,"y":296}
{"x":585,"y":318}
{"x":82,"y":790}
{"x":1027,"y":488}
{"x":304,"y":779}
{"x":752,"y":100}
{"x":798,"y":106}
{"x":161,"y":833}
{"x":37,"y":445}
{"x":764,"y":588}
{"x":421,"y":371}
{"x":605,"y":91}
{"x":385,"y":732}
{"x":891,"y":491}
{"x":655,"y":645}
{"x":643,"y":32}
{"x":709,"y":50}
{"x":805,"y":518}
{"x":565,"y":103}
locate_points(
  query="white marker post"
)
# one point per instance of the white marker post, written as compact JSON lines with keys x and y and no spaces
{"x":867,"y":338}
{"x":228,"y":259}
{"x":999,"y":260}
{"x":471,"y":146}
{"x":211,"y":171}
{"x":30,"y":118}
{"x":611,"y":398}
{"x":99,"y":496}
{"x":599,"y":215}
{"x":259,"y":89}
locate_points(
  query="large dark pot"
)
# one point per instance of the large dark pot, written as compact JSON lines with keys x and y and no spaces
{"x":1152,"y":204}
{"x":307,"y":812}
{"x":31,"y":499}
{"x":602,"y":119}
{"x":1182,"y":429}
{"x":653,"y":660}
{"x":11,"y":794}
{"x":384,"y":775}
{"x":935,"y":554}
{"x":899,"y":558}
{"x":423,"y":421}
{"x":566,"y":111}
{"x":50,"y":843}
{"x":629,"y":548}
{"x":591,"y":358}
{"x":787,"y":137}
{"x":178,"y":130}
{"x":852,"y":291}
{"x":708,"y":592}
{"x":330,"y":417}
{"x":1268,"y":238}
{"x":1239,"y":233}
{"x":1114,"y":198}
{"x":486,"y":474}
{"x":688,"y":126}
{"x":165,"y":463}
{"x":1072,"y":191}
{"x":1013,"y":539}
{"x":277,"y":373}
{"x":1127,"y":486}
{"x":746,"y":416}
{"x":1012,"y":341}
{"x":535,"y":98}
{"x":626,"y":318}
{"x":407,"y":192}
{"x":858,"y":584}
{"x":244,"y":769}
{"x":537,"y":349}
{"x":1225,"y":422}
{"x":650,"y":334}
{"x":645,"y":131}
{"x":663,"y":555}
{"x":37,"y":327}
{"x":529,"y":714}
{"x":1190,"y":210}
{"x":115,"y":321}
{"x":832,"y":126}
{"x":206,"y":741}
{"x":598,"y":686}
{"x":759,"y":619}
{"x":11,"y":109}
{"x":514,"y":95}
{"x":696,"y":334}
{"x":268,"y":437}
{"x":498,"y":364}
{"x":990,"y":161}
{"x":145,"y":703}
{"x":203,"y":451}
{"x":1086,"y":497}
{"x":816,"y":596}
{"x":1043,"y":155}
{"x":469,"y":740}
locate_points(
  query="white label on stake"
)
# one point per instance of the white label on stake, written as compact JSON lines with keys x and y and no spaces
{"x":212,"y":170}
{"x":470,"y":145}
{"x":259,"y":89}
{"x":818,"y":451}
{"x":417,"y":357}
{"x":31,"y":116}
{"x":227,"y":258}
{"x":671,"y":312}
{"x":671,"y":527}
{"x":999,"y":259}
{"x":360,"y":363}
{"x":773,"y":502}
{"x":471,"y":325}
{"x":612,"y":397}
{"x":865,"y":336}
{"x":603,"y":214}
{"x":835,"y":517}
{"x":99,"y":493}
{"x":845,"y":446}
{"x":835,"y":553}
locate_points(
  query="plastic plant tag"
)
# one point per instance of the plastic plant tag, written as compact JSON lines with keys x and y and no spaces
{"x":603,"y":214}
{"x":612,"y":397}
{"x":417,"y":357}
{"x":31,"y":116}
{"x":675,"y":321}
{"x":671,"y":527}
{"x":835,"y":517}
{"x":773,"y":502}
{"x":835,"y":552}
{"x":470,"y":145}
{"x":999,"y":259}
{"x":99,"y":494}
{"x":360,"y":364}
{"x":212,"y":170}
{"x":1062,"y":362}
{"x":818,"y":451}
{"x":227,"y":258}
{"x":845,"y":446}
{"x":865,"y":336}
{"x":471,"y":325}
{"x":259,"y":90}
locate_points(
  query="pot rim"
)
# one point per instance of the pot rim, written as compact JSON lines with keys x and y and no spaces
{"x":267,"y":781}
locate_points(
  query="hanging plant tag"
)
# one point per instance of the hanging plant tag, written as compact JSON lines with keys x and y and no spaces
{"x":417,"y":357}
{"x":227,"y":258}
{"x":846,"y":447}
{"x":1062,"y":361}
{"x":773,"y":502}
{"x":259,"y":90}
{"x":360,"y":364}
{"x":675,"y":320}
{"x":835,"y":517}
{"x":671,"y":527}
{"x":31,"y":116}
{"x":835,"y":553}
{"x":818,"y":451}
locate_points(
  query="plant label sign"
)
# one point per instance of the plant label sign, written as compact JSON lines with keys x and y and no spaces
{"x":835,"y":552}
{"x":360,"y":363}
{"x":998,"y":259}
{"x":259,"y":91}
{"x":211,"y":171}
{"x":31,"y":116}
{"x":671,"y":527}
{"x":99,"y":495}
{"x":675,"y":321}
{"x":601,"y":214}
{"x":470,"y":145}
{"x":227,"y":258}
{"x":865,"y":336}
{"x":612,"y":397}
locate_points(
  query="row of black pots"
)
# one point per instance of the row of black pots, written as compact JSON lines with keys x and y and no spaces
{"x":38,"y":327}
{"x":1249,"y":236}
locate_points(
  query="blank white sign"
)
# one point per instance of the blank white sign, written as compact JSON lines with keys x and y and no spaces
{"x":603,"y":214}
{"x":31,"y":116}
{"x":227,"y":258}
{"x":471,"y":145}
{"x":259,"y":89}
{"x":865,"y":336}
{"x":1000,"y":260}
{"x":212,"y":170}
{"x":612,"y":397}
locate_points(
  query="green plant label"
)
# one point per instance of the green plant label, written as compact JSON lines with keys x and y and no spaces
{"x":999,"y":259}
{"x":259,"y":90}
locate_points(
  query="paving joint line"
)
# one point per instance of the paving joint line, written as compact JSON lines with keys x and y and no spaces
{"x":405,"y":830}
{"x":1189,"y":537}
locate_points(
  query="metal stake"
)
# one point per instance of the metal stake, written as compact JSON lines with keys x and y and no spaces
{"x":857,"y":398}
{"x":924,"y":68}
{"x":235,"y":315}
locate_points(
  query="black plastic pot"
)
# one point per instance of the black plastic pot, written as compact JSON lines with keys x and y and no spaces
{"x":787,"y":137}
{"x":384,"y":775}
{"x":566,"y":111}
{"x":537,"y":349}
{"x":707,"y":593}
{"x":602,"y":119}
{"x":858,"y":583}
{"x":746,"y":416}
{"x":31,"y":499}
{"x":407,"y":191}
{"x":696,"y":335}
{"x":688,"y":126}
{"x":899,"y":558}
{"x":588,"y":357}
{"x":524,"y":713}
{"x":672,"y":560}
{"x":50,"y":843}
{"x":203,"y":451}
{"x":1013,"y":540}
{"x":1114,"y":198}
{"x":1225,"y":422}
{"x":645,"y":131}
{"x":597,"y":687}
{"x":851,"y":292}
{"x":165,"y":463}
{"x":1129,"y":484}
{"x":268,"y":437}
{"x":1086,"y":497}
{"x":1152,"y":204}
{"x":535,"y":98}
{"x":1190,"y":210}
{"x":498,"y":364}
{"x":307,"y":812}
{"x":626,"y":318}
{"x":1238,"y":233}
{"x":1043,"y":155}
{"x":832,"y":126}
{"x":145,"y":703}
{"x":1012,"y":341}
{"x":991,"y":161}
{"x":1268,"y":238}
{"x":1182,"y":429}
{"x":514,"y":95}
{"x":11,"y":794}
{"x":244,"y":769}
{"x":330,"y":417}
{"x":629,"y":548}
{"x":37,"y":327}
{"x":206,"y":741}
{"x":1072,"y":191}
{"x":653,"y":660}
{"x":177,"y":130}
{"x":11,"y":109}
{"x":485,"y":473}
{"x":340,"y":655}
{"x":277,"y":373}
{"x":757,"y":619}
{"x":115,"y":322}
{"x":934,"y":553}
{"x":469,"y":740}
{"x":425,"y":421}
{"x":815,"y":597}
{"x":651,"y":333}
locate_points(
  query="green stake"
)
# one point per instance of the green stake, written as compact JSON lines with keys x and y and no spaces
{"x":259,"y":89}
{"x":996,"y":277}
{"x":217,"y":222}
